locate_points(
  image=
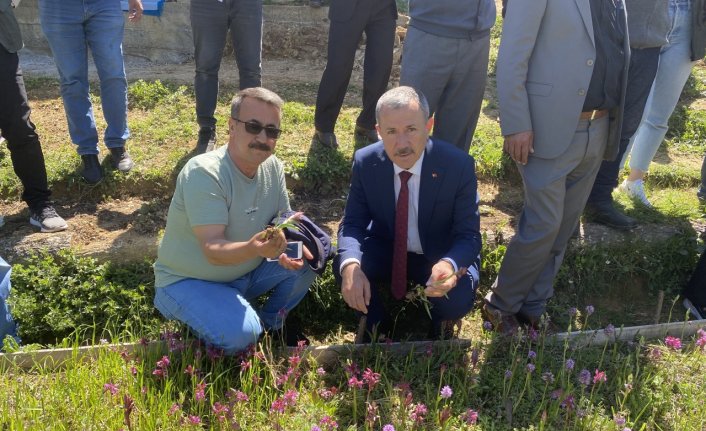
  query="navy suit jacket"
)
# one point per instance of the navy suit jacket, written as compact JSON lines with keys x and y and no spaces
{"x":448,"y":218}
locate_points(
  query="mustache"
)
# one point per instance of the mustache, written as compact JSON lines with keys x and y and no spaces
{"x":260,"y":146}
{"x":404,"y":151}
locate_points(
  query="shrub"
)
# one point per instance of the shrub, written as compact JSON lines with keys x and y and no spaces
{"x":53,"y":295}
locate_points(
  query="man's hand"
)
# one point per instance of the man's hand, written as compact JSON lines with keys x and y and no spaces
{"x":443,"y":270}
{"x":519,"y":146}
{"x":295,"y":264}
{"x":135,"y":10}
{"x":271,"y":248}
{"x":355,"y":287}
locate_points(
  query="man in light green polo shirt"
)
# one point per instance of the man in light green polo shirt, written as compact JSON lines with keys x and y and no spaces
{"x":211,"y":261}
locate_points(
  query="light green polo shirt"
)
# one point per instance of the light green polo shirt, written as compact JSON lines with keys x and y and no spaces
{"x":210,"y":189}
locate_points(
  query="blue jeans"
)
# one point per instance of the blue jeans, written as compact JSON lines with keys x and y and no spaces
{"x":210,"y":22}
{"x":223,"y":315}
{"x":71,"y":27}
{"x":674,"y":68}
{"x":7,"y":325}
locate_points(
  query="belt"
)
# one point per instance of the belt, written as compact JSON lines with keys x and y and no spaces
{"x":594,"y":115}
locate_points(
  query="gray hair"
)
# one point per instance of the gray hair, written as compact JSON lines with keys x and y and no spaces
{"x":259,"y":93}
{"x":401,"y":97}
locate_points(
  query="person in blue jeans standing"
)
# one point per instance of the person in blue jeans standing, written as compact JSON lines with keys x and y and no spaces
{"x":72,"y":27}
{"x":675,"y":62}
{"x":210,"y":22}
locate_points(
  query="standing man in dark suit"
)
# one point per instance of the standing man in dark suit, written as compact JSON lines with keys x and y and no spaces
{"x":561,"y":74}
{"x":411,"y":214}
{"x":349,"y":19}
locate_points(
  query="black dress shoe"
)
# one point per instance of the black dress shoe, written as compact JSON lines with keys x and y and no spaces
{"x":206,"y":141}
{"x":324,"y":139}
{"x":120,"y":159}
{"x":365,"y":136}
{"x":92,"y":172}
{"x":605,"y":213}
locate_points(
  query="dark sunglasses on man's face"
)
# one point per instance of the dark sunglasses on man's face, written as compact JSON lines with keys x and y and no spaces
{"x":254,"y":128}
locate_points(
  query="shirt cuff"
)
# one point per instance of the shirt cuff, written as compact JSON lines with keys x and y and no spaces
{"x":452,"y":262}
{"x":348,"y":262}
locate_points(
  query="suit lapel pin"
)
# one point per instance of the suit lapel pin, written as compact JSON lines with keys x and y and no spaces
{"x":434,"y":175}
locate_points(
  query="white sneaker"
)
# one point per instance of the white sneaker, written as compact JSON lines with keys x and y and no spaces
{"x":636,"y":190}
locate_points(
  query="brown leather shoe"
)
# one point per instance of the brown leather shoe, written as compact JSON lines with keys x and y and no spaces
{"x":542,"y":323}
{"x":504,"y":324}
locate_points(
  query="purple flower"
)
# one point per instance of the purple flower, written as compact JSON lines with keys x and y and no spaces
{"x":585,"y":377}
{"x":619,"y":420}
{"x":320,"y":371}
{"x":446,"y":392}
{"x":315,"y":428}
{"x":194,"y":420}
{"x":532,"y":354}
{"x":589,"y":310}
{"x":548,"y":377}
{"x":388,"y":427}
{"x":353,"y":382}
{"x":533,"y":334}
{"x":573,"y":311}
{"x":487,"y":326}
{"x":673,"y":343}
{"x":508,"y":374}
{"x":570,"y":364}
{"x":530,"y":368}
{"x":278,"y":406}
{"x":290,"y":397}
{"x":199,"y":394}
{"x":475,"y":356}
{"x":609,"y":330}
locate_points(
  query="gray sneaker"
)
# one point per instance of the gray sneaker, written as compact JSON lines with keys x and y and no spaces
{"x":46,"y":219}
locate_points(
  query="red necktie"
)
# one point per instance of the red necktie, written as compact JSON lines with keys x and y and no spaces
{"x":399,"y":251}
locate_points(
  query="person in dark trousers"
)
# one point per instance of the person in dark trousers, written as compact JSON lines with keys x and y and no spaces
{"x":411,"y":214}
{"x":211,"y":22}
{"x":349,"y":20}
{"x":648,"y":24}
{"x":694,"y":294}
{"x":19,"y":131}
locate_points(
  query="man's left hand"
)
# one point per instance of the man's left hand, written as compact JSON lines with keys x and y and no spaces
{"x":135,"y":10}
{"x":295,"y":264}
{"x":443,"y":270}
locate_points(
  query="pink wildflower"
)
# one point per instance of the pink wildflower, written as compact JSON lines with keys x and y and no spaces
{"x":320,"y":372}
{"x":599,"y":376}
{"x":173,"y":409}
{"x":278,"y":406}
{"x":371,"y":378}
{"x":199,"y":394}
{"x":329,"y":423}
{"x":353,"y":382}
{"x":194,"y":420}
{"x":112,"y":388}
{"x":418,"y":413}
{"x":290,"y":397}
{"x":673,"y":342}
{"x":470,"y":416}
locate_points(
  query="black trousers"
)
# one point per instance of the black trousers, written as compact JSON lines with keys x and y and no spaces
{"x":19,"y":131}
{"x":641,"y":75}
{"x":377,"y":18}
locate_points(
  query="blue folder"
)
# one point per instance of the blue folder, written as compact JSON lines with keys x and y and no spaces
{"x":151,"y":7}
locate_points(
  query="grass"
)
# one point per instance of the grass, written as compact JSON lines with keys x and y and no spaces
{"x":523,"y":383}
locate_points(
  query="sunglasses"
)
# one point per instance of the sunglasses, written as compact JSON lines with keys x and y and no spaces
{"x":254,"y":128}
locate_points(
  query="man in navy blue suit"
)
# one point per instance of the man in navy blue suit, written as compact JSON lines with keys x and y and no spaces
{"x":433,"y":187}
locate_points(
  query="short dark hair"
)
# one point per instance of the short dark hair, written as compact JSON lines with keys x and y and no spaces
{"x":259,"y":93}
{"x":401,"y":97}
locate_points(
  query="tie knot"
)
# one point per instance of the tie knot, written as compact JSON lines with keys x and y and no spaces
{"x":405,"y":176}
